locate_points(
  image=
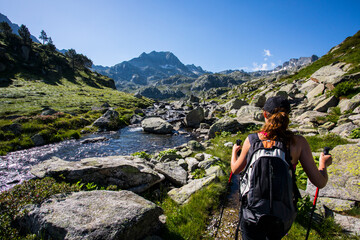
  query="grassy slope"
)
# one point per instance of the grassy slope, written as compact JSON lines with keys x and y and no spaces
{"x":47,"y":79}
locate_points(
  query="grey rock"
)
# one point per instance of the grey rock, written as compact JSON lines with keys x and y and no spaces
{"x":105,"y":121}
{"x":48,"y":111}
{"x":127,"y":172}
{"x":338,"y":205}
{"x":344,"y":130}
{"x":228,"y":145}
{"x":234,"y":104}
{"x":38,"y":140}
{"x":250,"y":113}
{"x":136,"y":119}
{"x":172,"y":171}
{"x":348,"y":104}
{"x":186,"y":153}
{"x":182,"y":163}
{"x":192,"y":163}
{"x":182,"y":195}
{"x":156,"y":125}
{"x":195,"y":117}
{"x":214,"y":171}
{"x":258,"y":100}
{"x":344,"y":177}
{"x":195,"y":145}
{"x":326,"y":104}
{"x":328,"y":125}
{"x":318,"y":90}
{"x":308,"y":86}
{"x":200,"y":157}
{"x":330,"y":74}
{"x":209,"y":160}
{"x":225,"y":124}
{"x":93,"y":215}
{"x":94,"y":140}
{"x":350,"y":224}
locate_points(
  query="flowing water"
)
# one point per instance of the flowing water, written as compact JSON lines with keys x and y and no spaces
{"x":15,"y":166}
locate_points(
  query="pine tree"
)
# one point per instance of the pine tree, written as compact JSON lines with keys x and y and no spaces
{"x":25,"y":34}
{"x":71,"y":53}
{"x":43,"y":36}
{"x":50,"y":44}
{"x":5,"y":29}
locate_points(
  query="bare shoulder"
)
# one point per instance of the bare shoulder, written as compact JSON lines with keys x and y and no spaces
{"x":299,"y":140}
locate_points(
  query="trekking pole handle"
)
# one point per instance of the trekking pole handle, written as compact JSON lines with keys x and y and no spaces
{"x":326,"y":150}
{"x":238,"y":142}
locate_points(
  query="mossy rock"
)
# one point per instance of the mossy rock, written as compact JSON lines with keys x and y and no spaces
{"x":344,"y":174}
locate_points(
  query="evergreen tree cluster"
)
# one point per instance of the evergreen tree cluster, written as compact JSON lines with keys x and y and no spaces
{"x":49,"y":55}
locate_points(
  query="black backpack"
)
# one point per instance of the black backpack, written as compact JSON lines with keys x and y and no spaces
{"x":268,"y":190}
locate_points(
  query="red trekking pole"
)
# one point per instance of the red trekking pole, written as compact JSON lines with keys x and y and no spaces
{"x":326,"y":152}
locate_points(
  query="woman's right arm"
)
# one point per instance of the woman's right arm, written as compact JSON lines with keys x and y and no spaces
{"x":317,"y":175}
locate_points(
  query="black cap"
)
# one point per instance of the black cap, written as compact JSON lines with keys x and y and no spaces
{"x":277,"y":104}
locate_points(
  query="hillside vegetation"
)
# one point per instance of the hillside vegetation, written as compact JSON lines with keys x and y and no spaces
{"x":348,"y":51}
{"x":34,"y":77}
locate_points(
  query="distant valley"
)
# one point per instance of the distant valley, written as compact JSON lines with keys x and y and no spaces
{"x":161,"y":75}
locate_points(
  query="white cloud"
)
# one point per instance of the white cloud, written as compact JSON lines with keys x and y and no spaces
{"x":273,"y":65}
{"x":267,"y":53}
{"x":265,"y":59}
{"x":257,"y":67}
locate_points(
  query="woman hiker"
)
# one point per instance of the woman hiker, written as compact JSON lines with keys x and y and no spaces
{"x":276,"y":112}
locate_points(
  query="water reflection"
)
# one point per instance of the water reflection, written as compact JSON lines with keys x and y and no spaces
{"x":15,"y":167}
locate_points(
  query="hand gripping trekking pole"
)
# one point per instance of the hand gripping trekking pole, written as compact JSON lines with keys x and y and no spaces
{"x":238,"y":142}
{"x":326,"y":152}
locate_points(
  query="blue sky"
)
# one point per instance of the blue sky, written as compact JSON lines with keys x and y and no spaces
{"x":216,"y":35}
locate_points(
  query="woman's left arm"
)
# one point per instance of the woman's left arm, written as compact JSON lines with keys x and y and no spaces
{"x":239,"y":163}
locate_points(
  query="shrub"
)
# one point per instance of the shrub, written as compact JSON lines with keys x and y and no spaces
{"x":142,"y":155}
{"x":355,"y":133}
{"x":343,"y":89}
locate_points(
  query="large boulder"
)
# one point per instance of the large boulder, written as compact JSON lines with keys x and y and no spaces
{"x":348,"y":104}
{"x":318,"y":90}
{"x":330,"y":74}
{"x":172,"y":171}
{"x":92,"y":215}
{"x":307,"y":86}
{"x":107,"y":120}
{"x":195,"y":117}
{"x":225,"y":124}
{"x":126,"y":172}
{"x":156,"y":125}
{"x":250,"y":113}
{"x":344,"y":130}
{"x":183,"y":194}
{"x":344,"y":174}
{"x":326,"y":104}
{"x":258,"y":100}
{"x":234,"y":104}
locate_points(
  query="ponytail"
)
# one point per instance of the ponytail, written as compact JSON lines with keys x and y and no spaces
{"x":276,"y":127}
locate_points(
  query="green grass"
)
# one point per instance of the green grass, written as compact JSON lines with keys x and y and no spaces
{"x":26,"y":98}
{"x":189,"y":221}
{"x":317,"y":143}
